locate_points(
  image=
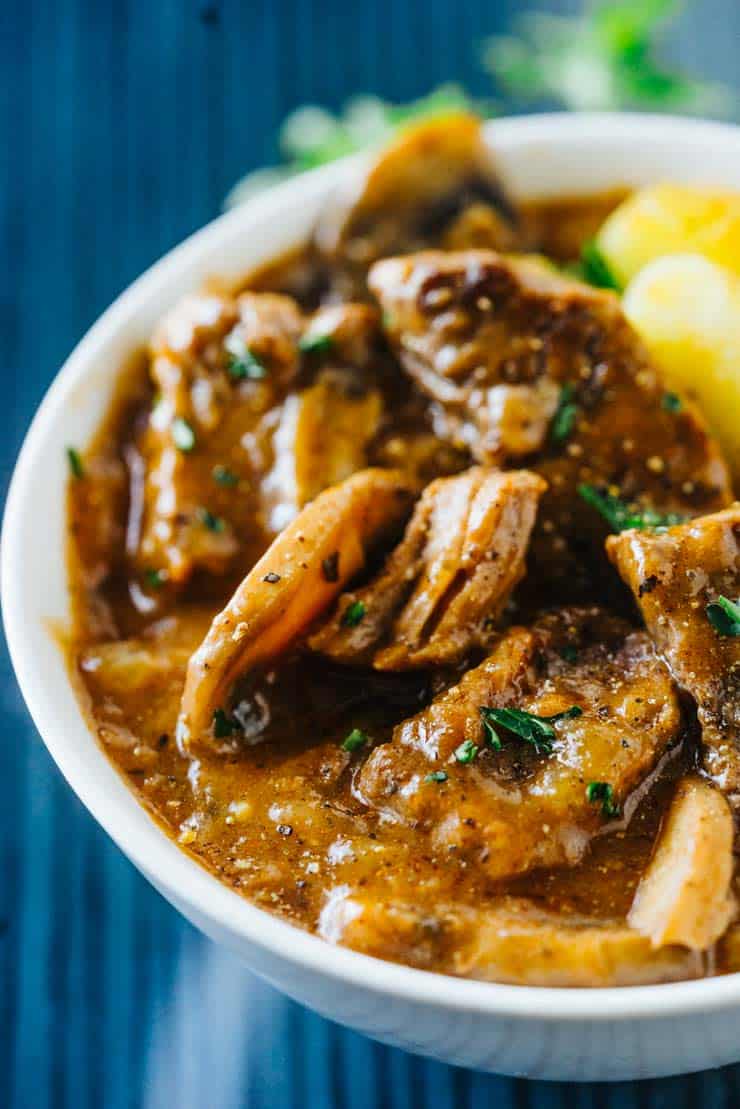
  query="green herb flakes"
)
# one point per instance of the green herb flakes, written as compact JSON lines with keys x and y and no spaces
{"x":222,"y":475}
{"x":437,"y":776}
{"x":724,"y":616}
{"x":315,"y":344}
{"x":353,"y":614}
{"x":211,"y":522}
{"x":155,"y":579}
{"x":602,"y":793}
{"x":74,"y":460}
{"x":467,"y":751}
{"x":537,"y":730}
{"x":620,"y":515}
{"x":595,"y":268}
{"x":671,"y":402}
{"x":354,"y":741}
{"x":565,"y":416}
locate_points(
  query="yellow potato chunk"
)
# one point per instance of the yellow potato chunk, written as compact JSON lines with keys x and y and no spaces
{"x":666,"y":219}
{"x":688,"y":312}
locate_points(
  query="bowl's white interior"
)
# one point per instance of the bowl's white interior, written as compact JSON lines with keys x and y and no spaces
{"x":539,"y":156}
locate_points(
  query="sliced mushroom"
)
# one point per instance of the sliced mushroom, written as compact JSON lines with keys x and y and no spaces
{"x":436,"y":183}
{"x":684,"y":896}
{"x":296,"y":579}
{"x":510,"y":941}
{"x":441,"y":590}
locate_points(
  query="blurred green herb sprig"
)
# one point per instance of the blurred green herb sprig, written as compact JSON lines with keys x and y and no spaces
{"x":608,"y":57}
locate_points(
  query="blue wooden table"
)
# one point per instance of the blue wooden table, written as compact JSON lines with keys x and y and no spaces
{"x":122,"y":125}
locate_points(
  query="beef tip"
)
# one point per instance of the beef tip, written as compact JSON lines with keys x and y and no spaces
{"x":676,"y":577}
{"x":512,"y":940}
{"x":441,"y":590}
{"x":436,"y":184}
{"x":296,"y":580}
{"x":217,"y":364}
{"x":521,"y":362}
{"x":325,"y":430}
{"x":507,"y":804}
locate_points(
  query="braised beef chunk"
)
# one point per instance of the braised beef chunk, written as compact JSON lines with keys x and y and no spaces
{"x":520,"y":361}
{"x":435,"y":185}
{"x":686,"y":581}
{"x":218,"y":364}
{"x":440,"y":591}
{"x":589,"y":712}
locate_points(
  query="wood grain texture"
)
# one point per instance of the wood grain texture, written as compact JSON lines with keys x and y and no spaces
{"x":123,"y":125}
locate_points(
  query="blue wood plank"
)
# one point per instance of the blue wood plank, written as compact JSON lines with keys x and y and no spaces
{"x":123,"y":126}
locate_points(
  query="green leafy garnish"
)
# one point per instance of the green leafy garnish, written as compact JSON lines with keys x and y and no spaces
{"x":537,"y":730}
{"x":595,"y":269}
{"x":183,"y":435}
{"x":223,"y":725}
{"x":604,"y":59}
{"x":467,"y":751}
{"x":222,"y":475}
{"x":437,"y":776}
{"x":490,"y":734}
{"x":75,"y":463}
{"x":355,"y":740}
{"x":602,"y":792}
{"x":724,"y":616}
{"x":246,"y":366}
{"x":566,"y":412}
{"x":620,"y":515}
{"x":353,"y":614}
{"x":315,"y":344}
{"x":209,"y":521}
{"x":671,"y":402}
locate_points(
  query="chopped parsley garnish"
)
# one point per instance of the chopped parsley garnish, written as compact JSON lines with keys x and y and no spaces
{"x":467,"y":751}
{"x":596,"y":269}
{"x":208,"y":520}
{"x":75,"y":463}
{"x":315,"y":344}
{"x":330,"y":567}
{"x":671,"y":402}
{"x":490,"y":734}
{"x":246,"y":366}
{"x":353,"y":614}
{"x":437,"y":776}
{"x":155,"y":579}
{"x":564,"y":419}
{"x":568,"y":653}
{"x":724,"y":616}
{"x":620,"y":515}
{"x":223,"y":725}
{"x":354,"y":741}
{"x":602,"y":792}
{"x":183,"y":435}
{"x":222,"y":475}
{"x":537,"y":730}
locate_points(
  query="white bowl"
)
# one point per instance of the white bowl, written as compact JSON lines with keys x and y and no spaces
{"x":542,"y":1033}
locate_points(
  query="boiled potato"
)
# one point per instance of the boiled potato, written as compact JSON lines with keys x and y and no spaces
{"x":688,"y":312}
{"x":665,"y":219}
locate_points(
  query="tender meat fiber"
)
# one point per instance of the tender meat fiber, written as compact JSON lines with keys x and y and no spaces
{"x":513,"y":809}
{"x":512,"y":941}
{"x":441,"y":590}
{"x":297,"y":579}
{"x":436,"y":184}
{"x":499,"y":343}
{"x":675,"y":575}
{"x":218,"y":364}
